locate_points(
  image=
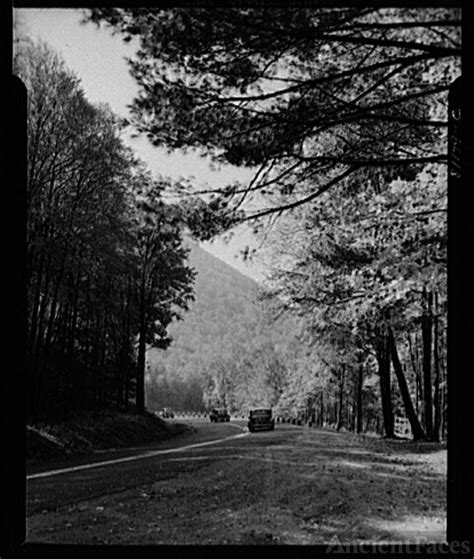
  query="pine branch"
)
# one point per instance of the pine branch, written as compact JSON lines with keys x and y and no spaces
{"x":377,"y":161}
{"x":302,"y":201}
{"x":404,"y":24}
{"x":405,"y":60}
{"x":434,"y":50}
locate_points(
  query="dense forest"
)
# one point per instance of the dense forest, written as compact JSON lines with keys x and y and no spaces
{"x":342,"y":114}
{"x":106,"y":266}
{"x":367,"y":274}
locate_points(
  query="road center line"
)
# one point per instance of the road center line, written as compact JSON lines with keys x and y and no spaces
{"x":131,"y":458}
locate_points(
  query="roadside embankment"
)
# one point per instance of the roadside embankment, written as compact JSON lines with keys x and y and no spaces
{"x":88,"y":433}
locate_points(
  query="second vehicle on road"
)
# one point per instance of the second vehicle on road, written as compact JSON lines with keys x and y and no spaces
{"x":219,"y":414}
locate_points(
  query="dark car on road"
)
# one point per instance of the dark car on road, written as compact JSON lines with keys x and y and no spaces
{"x":219,"y":414}
{"x":261,"y":420}
{"x":166,"y":413}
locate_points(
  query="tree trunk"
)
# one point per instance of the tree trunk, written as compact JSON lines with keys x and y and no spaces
{"x":102,"y":360}
{"x":119,"y":376}
{"x":125,"y":348}
{"x":383,"y":358}
{"x":444,"y":414}
{"x":33,"y":330}
{"x":82,"y":379}
{"x":359,"y":400}
{"x":341,"y":399}
{"x":419,"y":377}
{"x":416,"y":428}
{"x":141,"y":358}
{"x":414,"y":366}
{"x":36,"y":341}
{"x":426,"y":330}
{"x":321,"y":409}
{"x":140,"y":387}
{"x":75,"y":313}
{"x":437,"y":399}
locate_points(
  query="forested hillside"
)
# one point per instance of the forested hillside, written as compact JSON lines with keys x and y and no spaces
{"x":238,"y":346}
{"x":228,"y":349}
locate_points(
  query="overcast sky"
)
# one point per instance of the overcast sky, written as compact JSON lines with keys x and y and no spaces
{"x":98,"y":59}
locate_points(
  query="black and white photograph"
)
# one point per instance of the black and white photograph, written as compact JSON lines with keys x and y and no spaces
{"x":236,"y":274}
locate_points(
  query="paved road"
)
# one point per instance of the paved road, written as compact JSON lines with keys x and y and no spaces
{"x":54,"y":485}
{"x":223,"y":485}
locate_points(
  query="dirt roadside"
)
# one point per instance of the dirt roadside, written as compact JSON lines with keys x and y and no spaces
{"x":306,"y":487}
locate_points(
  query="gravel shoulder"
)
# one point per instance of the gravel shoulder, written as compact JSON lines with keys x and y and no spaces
{"x":291,"y":486}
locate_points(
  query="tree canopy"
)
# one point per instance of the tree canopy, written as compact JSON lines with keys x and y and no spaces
{"x":306,"y":96}
{"x":342,"y":114}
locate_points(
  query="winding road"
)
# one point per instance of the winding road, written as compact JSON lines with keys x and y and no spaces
{"x":55,"y":484}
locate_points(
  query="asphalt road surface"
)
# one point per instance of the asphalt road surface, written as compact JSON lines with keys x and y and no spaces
{"x":223,"y":485}
{"x":53,"y":485}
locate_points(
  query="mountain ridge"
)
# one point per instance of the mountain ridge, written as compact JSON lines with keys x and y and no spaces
{"x":226,"y":343}
{"x":196,"y":249}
